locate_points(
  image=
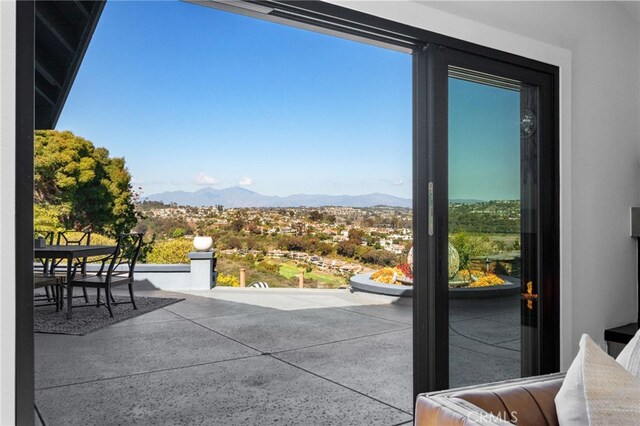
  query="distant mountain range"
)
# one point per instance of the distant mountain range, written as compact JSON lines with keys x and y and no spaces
{"x":241,"y":197}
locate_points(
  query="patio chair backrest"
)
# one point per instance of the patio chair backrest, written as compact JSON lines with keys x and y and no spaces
{"x":47,"y":236}
{"x":74,"y":238}
{"x":127,"y":252}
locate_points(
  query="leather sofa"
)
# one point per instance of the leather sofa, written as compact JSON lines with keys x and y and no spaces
{"x":524,"y":402}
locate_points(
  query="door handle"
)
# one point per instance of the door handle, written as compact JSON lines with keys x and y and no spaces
{"x":430,"y":209}
{"x":529,"y":296}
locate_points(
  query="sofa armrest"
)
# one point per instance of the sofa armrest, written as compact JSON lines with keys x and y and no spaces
{"x":442,"y":410}
{"x":527,"y":401}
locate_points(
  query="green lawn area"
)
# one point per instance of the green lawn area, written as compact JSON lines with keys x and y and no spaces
{"x":286,"y":277}
{"x":289,"y":271}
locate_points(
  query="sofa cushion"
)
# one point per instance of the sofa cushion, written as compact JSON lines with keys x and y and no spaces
{"x":597,"y":390}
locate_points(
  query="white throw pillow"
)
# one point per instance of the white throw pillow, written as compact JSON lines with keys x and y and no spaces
{"x":597,"y":390}
{"x":571,"y":405}
{"x":629,"y":358}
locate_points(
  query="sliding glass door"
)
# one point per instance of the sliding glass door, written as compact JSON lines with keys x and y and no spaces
{"x":486,"y":211}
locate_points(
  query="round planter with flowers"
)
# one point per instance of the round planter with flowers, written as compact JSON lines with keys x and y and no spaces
{"x":463,"y":284}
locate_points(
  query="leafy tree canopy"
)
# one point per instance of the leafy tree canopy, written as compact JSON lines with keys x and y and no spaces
{"x":471,"y":245}
{"x":80,"y":186}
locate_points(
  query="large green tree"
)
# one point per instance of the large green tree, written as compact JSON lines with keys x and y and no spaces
{"x":80,"y":185}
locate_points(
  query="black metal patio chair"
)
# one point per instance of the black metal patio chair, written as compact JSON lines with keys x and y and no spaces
{"x":120,"y":271}
{"x":74,"y":238}
{"x":43,"y":277}
{"x":49,"y":299}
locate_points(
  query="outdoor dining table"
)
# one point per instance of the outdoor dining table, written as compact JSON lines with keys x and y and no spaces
{"x":69,"y":253}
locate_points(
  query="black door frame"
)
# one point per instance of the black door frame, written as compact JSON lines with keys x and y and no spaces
{"x":323,"y":16}
{"x":431,"y":298}
{"x":25,"y":126}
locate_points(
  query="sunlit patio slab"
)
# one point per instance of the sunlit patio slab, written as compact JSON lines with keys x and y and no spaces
{"x":379,"y":366}
{"x":159,"y":315}
{"x":195,"y":307}
{"x":257,"y":390}
{"x":285,"y":330}
{"x":247,"y":356}
{"x":398,"y":309}
{"x":400,"y":313}
{"x":121,"y":350}
{"x":287,"y":299}
{"x":513,"y":345}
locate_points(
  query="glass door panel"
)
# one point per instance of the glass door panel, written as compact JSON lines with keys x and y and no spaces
{"x":491,"y":227}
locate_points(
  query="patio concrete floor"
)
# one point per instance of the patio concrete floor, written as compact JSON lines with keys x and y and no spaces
{"x":264,"y":356}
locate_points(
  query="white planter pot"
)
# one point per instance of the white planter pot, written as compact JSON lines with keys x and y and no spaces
{"x":202,"y":243}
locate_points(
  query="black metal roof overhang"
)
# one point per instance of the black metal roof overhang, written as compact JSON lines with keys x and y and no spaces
{"x":63,"y":30}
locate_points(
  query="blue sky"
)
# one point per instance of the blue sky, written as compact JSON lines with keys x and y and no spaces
{"x":192,"y":96}
{"x":484,"y":142}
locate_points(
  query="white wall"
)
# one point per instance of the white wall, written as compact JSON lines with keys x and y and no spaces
{"x":596,"y":45}
{"x":7,"y":211}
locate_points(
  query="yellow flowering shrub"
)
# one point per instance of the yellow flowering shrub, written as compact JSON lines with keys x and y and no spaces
{"x":386,"y":275}
{"x":470,"y":275}
{"x":171,"y":251}
{"x":487,"y":280}
{"x":102,"y":240}
{"x":226,"y":280}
